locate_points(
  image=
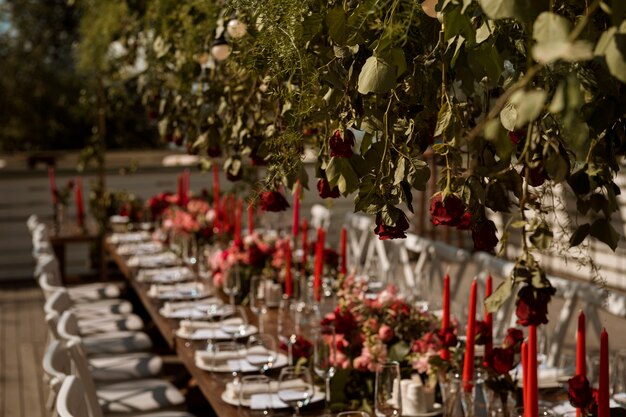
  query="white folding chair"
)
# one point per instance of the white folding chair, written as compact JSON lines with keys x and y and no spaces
{"x":359,"y":234}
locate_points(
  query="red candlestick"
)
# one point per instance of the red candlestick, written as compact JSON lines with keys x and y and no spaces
{"x":603,"y":386}
{"x":305,"y":244}
{"x":288,"y":278}
{"x":319,"y":264}
{"x":445,"y":319}
{"x":78,"y":195}
{"x":581,"y":350}
{"x":533,"y":393}
{"x":468,"y":363}
{"x":250,"y":219}
{"x":295,"y":228}
{"x":225,"y":215}
{"x":488,"y":319}
{"x":344,"y":251}
{"x":238,"y":219}
{"x":53,"y":184}
{"x":525,"y":377}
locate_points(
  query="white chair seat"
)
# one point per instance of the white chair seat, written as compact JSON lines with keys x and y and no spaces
{"x":125,"y":366}
{"x":116,"y":342}
{"x":94,"y":309}
{"x":138,"y":396}
{"x":95,"y":291}
{"x":109,"y":323}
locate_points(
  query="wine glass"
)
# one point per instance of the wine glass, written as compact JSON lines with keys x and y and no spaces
{"x":232,"y":284}
{"x":287,"y":329}
{"x":261,"y":352}
{"x":257,"y":299}
{"x":255,"y":386}
{"x":295,"y":387}
{"x":324,"y":357}
{"x":228,"y":351}
{"x":387,"y":400}
{"x":237,"y":324}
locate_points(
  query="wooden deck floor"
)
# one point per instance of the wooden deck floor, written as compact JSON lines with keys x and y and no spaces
{"x":23,"y":337}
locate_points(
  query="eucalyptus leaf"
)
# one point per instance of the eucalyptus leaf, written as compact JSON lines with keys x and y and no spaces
{"x":443,"y":120}
{"x":579,"y":234}
{"x":551,"y":27}
{"x":336,"y":20}
{"x":377,"y":76}
{"x":499,"y":296}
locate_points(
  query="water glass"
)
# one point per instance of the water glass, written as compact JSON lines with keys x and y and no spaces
{"x":237,"y":324}
{"x":324,"y":357}
{"x":295,"y":387}
{"x":261,"y":352}
{"x":258,"y":303}
{"x":287,"y":329}
{"x":255,"y":396}
{"x":232,"y":284}
{"x":231,"y":353}
{"x":387,"y":396}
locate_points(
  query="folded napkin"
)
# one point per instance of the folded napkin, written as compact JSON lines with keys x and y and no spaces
{"x":192,"y":309}
{"x":207,"y":330}
{"x":140,"y":248}
{"x":175,"y":273}
{"x":165,"y":258}
{"x":117,"y":238}
{"x":250,"y":390}
{"x":177,"y":290}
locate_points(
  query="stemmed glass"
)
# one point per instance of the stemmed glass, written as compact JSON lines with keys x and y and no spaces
{"x":232,"y":284}
{"x":387,"y":400}
{"x":324,"y":357}
{"x":228,"y":350}
{"x":295,"y":387}
{"x":261,"y":352}
{"x":287,"y":329}
{"x":255,"y":385}
{"x":237,"y":324}
{"x":257,"y":299}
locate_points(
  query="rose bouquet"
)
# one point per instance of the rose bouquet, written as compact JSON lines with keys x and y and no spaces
{"x":195,"y":220}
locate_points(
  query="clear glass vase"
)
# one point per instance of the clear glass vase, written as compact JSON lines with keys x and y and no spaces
{"x":458,"y":402}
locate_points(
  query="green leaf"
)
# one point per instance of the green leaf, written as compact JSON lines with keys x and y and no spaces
{"x":419,"y":174}
{"x":603,"y":230}
{"x":528,"y":105}
{"x":522,"y":10}
{"x":336,"y":20}
{"x":377,"y":76}
{"x":579,"y":234}
{"x":399,"y":351}
{"x":556,"y":164}
{"x":612,"y":45}
{"x":551,"y":27}
{"x":443,"y":120}
{"x":542,"y":236}
{"x":483,"y":32}
{"x":499,"y":296}
{"x":508,"y":117}
{"x":550,"y":51}
{"x":399,"y":172}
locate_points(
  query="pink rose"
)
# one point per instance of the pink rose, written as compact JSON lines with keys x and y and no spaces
{"x":385,"y":333}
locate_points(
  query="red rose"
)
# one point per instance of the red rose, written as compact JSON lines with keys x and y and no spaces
{"x":256,"y":256}
{"x":502,"y":360}
{"x":465,"y":222}
{"x":273,"y":201}
{"x":532,"y":305}
{"x":447,"y":337}
{"x":448,"y":212}
{"x":482,"y":333}
{"x":579,"y":392}
{"x":484,"y":236}
{"x":516,"y":136}
{"x":300,"y":349}
{"x":324,"y":190}
{"x":331,"y":257}
{"x":341,"y":146}
{"x":513,"y":337}
{"x":397,"y":231}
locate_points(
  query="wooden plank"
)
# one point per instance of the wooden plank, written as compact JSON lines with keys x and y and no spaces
{"x":32,"y":398}
{"x":12,"y":378}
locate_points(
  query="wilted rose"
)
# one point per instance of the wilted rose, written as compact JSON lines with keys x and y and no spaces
{"x":324,"y":190}
{"x":273,"y":201}
{"x":341,"y":146}
{"x":532,"y":305}
{"x":391,"y":232}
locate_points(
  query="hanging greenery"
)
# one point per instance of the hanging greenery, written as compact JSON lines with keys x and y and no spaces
{"x":514,"y":98}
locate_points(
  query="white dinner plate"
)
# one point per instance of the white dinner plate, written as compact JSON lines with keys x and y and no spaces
{"x":199,"y":312}
{"x":275,"y":402}
{"x":236,"y":365}
{"x":214,"y":333}
{"x":438,"y":410}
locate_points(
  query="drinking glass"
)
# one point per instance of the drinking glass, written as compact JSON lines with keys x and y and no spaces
{"x":232,"y":284}
{"x":324,"y":357}
{"x":257,"y":299}
{"x":255,"y":386}
{"x":387,"y":400}
{"x":261,"y":352}
{"x":287,"y":331}
{"x":229,"y":351}
{"x":295,"y":387}
{"x":236,"y":325}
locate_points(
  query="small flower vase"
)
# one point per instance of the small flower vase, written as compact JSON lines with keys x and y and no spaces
{"x":460,"y":403}
{"x":60,"y":215}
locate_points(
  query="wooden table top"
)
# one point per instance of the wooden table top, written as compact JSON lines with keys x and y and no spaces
{"x":211,"y":385}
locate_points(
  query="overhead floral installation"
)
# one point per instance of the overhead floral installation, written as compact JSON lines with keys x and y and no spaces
{"x":514,"y":99}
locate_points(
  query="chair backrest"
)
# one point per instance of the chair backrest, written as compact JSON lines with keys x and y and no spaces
{"x":58,"y":302}
{"x":359,"y":231}
{"x":320,"y":217}
{"x":45,"y":282}
{"x":48,"y":263}
{"x":81,"y":369}
{"x":413,"y":253}
{"x":71,"y":400}
{"x":56,"y":366}
{"x":52,"y":320}
{"x":32,"y":222}
{"x":68,"y":327}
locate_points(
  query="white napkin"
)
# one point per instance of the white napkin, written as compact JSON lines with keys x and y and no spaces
{"x":173,"y":306}
{"x":254,"y":389}
{"x":175,"y":273}
{"x":176,"y":290}
{"x":546,"y":376}
{"x":165,"y":258}
{"x":266,"y":401}
{"x":140,"y":248}
{"x":117,"y":238}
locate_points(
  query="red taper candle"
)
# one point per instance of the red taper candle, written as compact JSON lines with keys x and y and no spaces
{"x":216,"y":186}
{"x":525,"y":377}
{"x":344,"y":251}
{"x":53,"y":184}
{"x":445,"y":319}
{"x":250,"y":218}
{"x":80,"y":210}
{"x":581,"y":350}
{"x":488,"y":319}
{"x":179,"y":190}
{"x":603,"y":386}
{"x":533,"y":393}
{"x":305,"y":244}
{"x":319,"y":264}
{"x":295,"y":228}
{"x":186,"y":186}
{"x":238,"y":219}
{"x":225,"y":214}
{"x":288,"y":277}
{"x":468,"y":363}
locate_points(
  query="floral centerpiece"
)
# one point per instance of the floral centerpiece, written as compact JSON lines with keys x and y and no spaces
{"x":195,"y":219}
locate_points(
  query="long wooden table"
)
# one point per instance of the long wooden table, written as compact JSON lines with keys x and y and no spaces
{"x":211,"y":386}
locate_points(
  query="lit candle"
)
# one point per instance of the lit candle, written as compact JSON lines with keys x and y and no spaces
{"x":533,"y":394}
{"x":78,"y":195}
{"x":525,"y":377}
{"x":295,"y":228}
{"x":488,"y":319}
{"x":581,"y":351}
{"x":305,"y":244}
{"x":238,"y":219}
{"x":468,"y":363}
{"x":344,"y":251}
{"x":288,"y":278}
{"x":250,"y":219}
{"x":319,"y":264}
{"x":445,"y":319}
{"x":53,"y":184}
{"x":603,"y":386}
